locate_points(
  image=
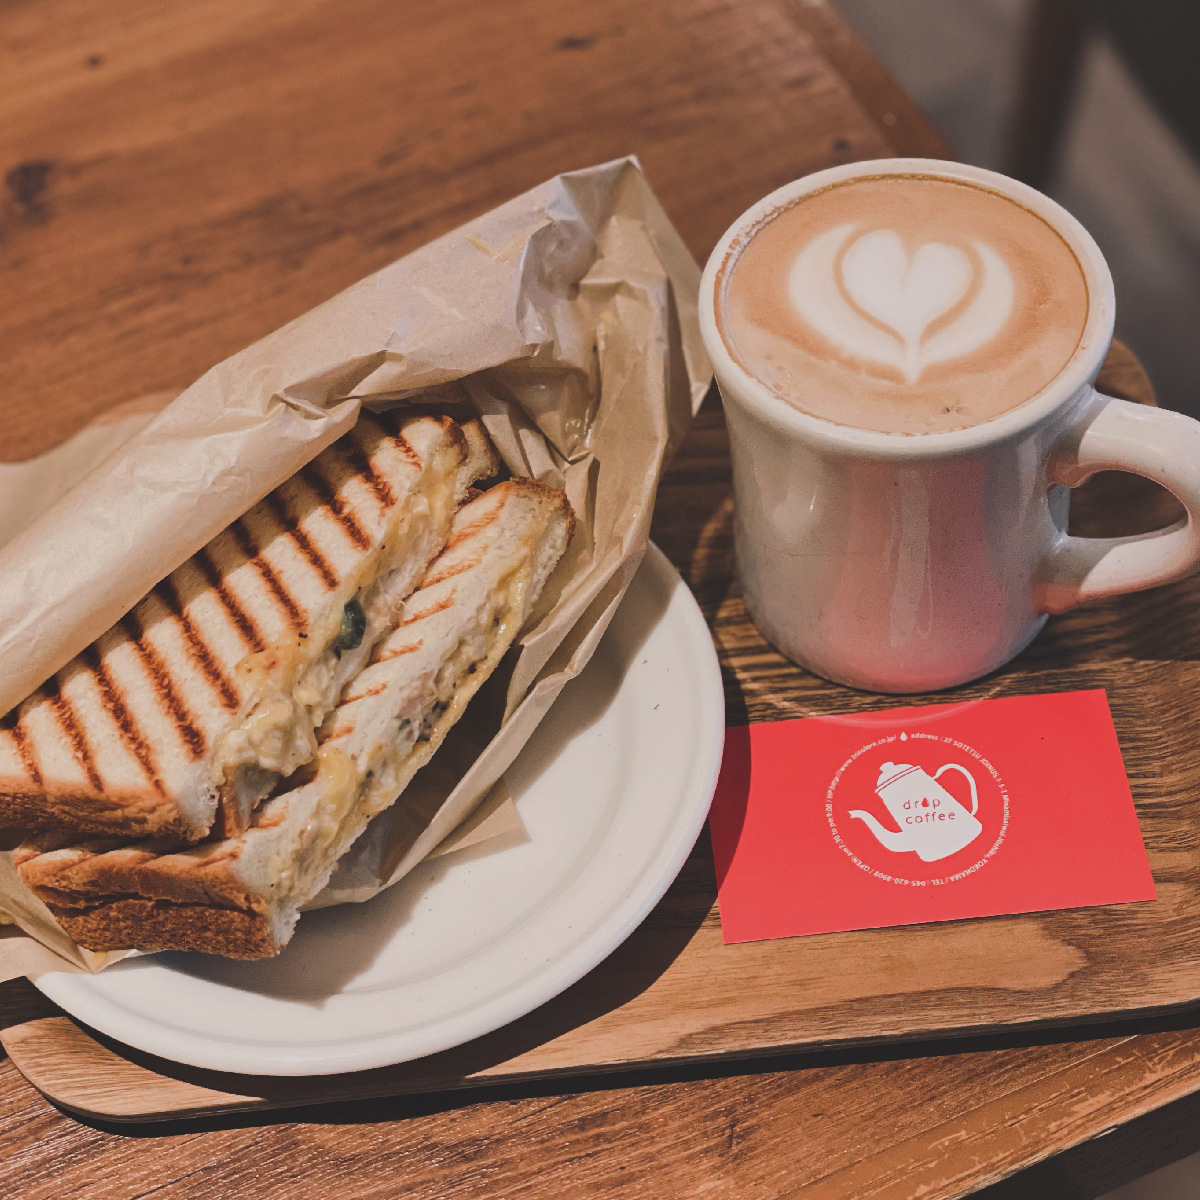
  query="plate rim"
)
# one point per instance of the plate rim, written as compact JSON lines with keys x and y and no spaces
{"x":509,"y":1006}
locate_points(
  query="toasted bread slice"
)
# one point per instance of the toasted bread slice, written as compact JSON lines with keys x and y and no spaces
{"x":183,"y":715}
{"x":240,"y":896}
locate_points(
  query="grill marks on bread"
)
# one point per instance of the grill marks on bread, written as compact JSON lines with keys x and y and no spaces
{"x":24,"y":750}
{"x":471,"y":530}
{"x":428,"y":611}
{"x":131,"y":733}
{"x":387,"y":651}
{"x":406,"y":448}
{"x":118,"y":725}
{"x":160,"y":677}
{"x":64,"y":713}
{"x":290,"y":526}
{"x":313,"y":476}
{"x":168,"y":593}
{"x":362,"y":695}
{"x":378,"y":484}
{"x":228,"y":896}
{"x":440,"y":573}
{"x":243,"y":622}
{"x":250,"y":550}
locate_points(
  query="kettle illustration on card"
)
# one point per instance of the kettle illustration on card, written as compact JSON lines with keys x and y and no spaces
{"x":932,"y":822}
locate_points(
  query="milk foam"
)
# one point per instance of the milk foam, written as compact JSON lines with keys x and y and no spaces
{"x":905,"y":304}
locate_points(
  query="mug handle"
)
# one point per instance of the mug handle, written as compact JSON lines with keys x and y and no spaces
{"x":970,"y":780}
{"x":1115,"y":435}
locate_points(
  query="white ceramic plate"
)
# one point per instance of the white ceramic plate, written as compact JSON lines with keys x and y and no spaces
{"x":613,"y":789}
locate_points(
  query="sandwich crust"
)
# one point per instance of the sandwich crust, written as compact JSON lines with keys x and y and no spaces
{"x":163,"y":925}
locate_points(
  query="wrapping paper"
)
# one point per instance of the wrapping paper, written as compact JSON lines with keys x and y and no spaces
{"x":565,"y":318}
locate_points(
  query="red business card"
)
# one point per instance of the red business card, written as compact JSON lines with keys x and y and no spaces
{"x":924,"y":814}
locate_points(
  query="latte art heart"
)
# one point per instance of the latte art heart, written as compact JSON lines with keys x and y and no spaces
{"x":905,"y":294}
{"x":875,"y":301}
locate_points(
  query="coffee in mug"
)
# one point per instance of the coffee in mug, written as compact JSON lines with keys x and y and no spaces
{"x":906,"y":351}
{"x":904,"y":304}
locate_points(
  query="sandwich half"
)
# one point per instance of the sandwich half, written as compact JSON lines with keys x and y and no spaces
{"x":182,"y":717}
{"x":241,"y":896}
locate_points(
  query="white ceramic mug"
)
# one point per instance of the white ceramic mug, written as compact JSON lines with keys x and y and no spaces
{"x":911,"y":562}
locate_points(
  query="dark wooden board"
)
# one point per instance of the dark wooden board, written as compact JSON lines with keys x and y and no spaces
{"x":675,"y":993}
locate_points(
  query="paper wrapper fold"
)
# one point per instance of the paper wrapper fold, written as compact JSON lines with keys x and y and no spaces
{"x":565,"y":318}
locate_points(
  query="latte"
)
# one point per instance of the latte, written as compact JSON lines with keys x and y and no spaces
{"x":903,"y":303}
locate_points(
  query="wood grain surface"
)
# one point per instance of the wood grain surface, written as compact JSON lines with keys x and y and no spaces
{"x":188,"y":178}
{"x":180,"y":179}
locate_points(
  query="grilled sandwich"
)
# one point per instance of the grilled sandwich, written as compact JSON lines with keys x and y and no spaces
{"x":181,"y":718}
{"x":241,"y":896}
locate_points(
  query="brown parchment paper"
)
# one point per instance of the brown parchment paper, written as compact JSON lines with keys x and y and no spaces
{"x":566,"y":318}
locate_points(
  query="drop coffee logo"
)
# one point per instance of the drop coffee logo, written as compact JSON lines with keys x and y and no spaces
{"x":894,"y":817}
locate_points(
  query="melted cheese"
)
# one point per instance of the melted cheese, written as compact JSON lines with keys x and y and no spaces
{"x":295,"y":859}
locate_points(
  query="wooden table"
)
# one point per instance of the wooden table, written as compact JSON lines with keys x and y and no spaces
{"x":180,"y":179}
